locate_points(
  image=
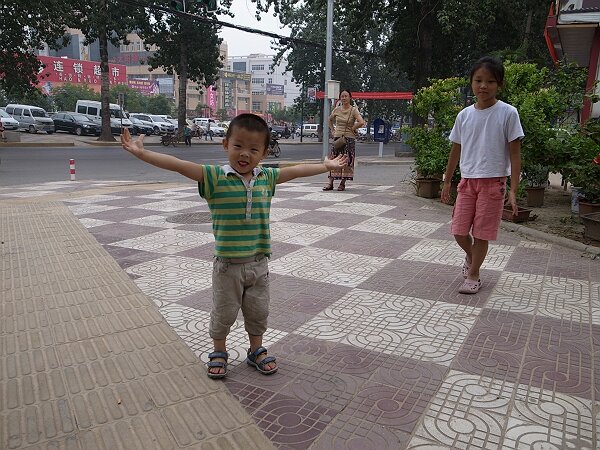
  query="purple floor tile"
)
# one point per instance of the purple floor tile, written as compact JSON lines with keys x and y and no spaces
{"x":201,"y":300}
{"x":204,"y":252}
{"x":528,"y":260}
{"x":370,"y":244}
{"x":281,"y":249}
{"x":308,"y":205}
{"x":567,"y":263}
{"x":129,"y":202}
{"x":346,"y":432}
{"x":489,"y":278}
{"x":292,"y":423}
{"x":431,"y":282}
{"x":250,"y":397}
{"x":306,"y":296}
{"x":423,"y":377}
{"x":559,"y":357}
{"x":302,"y":350}
{"x":121,"y":214}
{"x":127,"y":257}
{"x":347,"y":359}
{"x":327,"y":218}
{"x":120,"y":231}
{"x":286,"y":319}
{"x":394,"y":276}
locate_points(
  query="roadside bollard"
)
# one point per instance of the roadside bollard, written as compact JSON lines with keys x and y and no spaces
{"x":72,"y":169}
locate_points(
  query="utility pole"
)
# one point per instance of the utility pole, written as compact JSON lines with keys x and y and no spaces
{"x":328,"y":58}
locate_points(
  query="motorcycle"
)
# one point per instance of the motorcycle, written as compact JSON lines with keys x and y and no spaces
{"x":274,"y":148}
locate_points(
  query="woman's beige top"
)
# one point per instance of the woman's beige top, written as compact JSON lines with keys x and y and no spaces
{"x":344,"y":120}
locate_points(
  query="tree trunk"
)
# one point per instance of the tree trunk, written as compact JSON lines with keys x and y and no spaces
{"x":183,"y":78}
{"x":424,"y":51}
{"x":106,"y":134}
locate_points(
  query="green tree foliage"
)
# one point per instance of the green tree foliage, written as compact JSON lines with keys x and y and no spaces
{"x":134,"y":100}
{"x":65,"y":97}
{"x":106,"y":21}
{"x":25,"y":26}
{"x":159,"y":104}
{"x":186,"y":47}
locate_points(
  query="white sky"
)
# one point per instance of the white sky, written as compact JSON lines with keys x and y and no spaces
{"x":241,"y":43}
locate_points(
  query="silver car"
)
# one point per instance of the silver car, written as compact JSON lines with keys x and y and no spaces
{"x":8,"y":122}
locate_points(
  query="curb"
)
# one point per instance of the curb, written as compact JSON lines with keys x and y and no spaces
{"x":37,"y":144}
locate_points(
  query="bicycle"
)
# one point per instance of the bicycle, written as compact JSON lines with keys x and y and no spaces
{"x":168,"y":139}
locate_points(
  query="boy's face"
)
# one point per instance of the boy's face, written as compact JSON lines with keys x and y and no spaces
{"x":245,"y":149}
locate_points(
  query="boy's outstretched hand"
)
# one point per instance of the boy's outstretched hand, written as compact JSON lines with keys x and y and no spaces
{"x":135,"y":147}
{"x":338,"y":161}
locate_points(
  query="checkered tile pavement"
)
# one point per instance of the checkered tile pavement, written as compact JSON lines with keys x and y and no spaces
{"x":376,"y":348}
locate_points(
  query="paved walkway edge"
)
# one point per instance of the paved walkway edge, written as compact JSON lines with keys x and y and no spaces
{"x":86,"y":359}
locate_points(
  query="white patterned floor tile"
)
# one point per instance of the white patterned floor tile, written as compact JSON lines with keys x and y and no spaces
{"x":91,"y":223}
{"x":278,"y":200}
{"x":167,"y":195}
{"x":546,"y":419}
{"x":321,"y":196}
{"x":448,"y":252}
{"x":516,"y":292}
{"x":301,"y":188}
{"x":157,"y":221}
{"x":537,"y":245}
{"x":328,"y":266}
{"x":80,"y":210}
{"x":179,"y":316}
{"x":173,"y":277}
{"x":379,"y":188}
{"x":595,"y":297}
{"x":563,"y":298}
{"x":169,"y":205}
{"x":28,"y":194}
{"x":393,"y":227}
{"x":366,"y":209}
{"x":468,"y":412}
{"x":93,"y":199}
{"x":404,"y":326}
{"x":168,"y":241}
{"x":300,"y":233}
{"x":277,"y":214}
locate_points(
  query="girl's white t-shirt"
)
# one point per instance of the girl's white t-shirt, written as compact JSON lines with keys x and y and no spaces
{"x":484,"y":135}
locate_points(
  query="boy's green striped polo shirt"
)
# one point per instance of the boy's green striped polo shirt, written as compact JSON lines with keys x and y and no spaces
{"x":239,"y":209}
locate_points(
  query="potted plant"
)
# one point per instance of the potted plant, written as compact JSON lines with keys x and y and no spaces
{"x":439,"y":103}
{"x":535,"y":177}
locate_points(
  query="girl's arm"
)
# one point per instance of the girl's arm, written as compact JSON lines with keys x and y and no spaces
{"x":308,"y":170}
{"x":514,"y":150}
{"x":168,"y":162}
{"x":453,"y":159}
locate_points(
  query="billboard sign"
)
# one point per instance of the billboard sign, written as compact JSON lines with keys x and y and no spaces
{"x":311,"y":94}
{"x":145,"y":87}
{"x":65,"y":70}
{"x":275,"y":89}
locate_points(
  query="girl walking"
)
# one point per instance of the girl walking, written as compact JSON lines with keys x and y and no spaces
{"x":486,"y":139}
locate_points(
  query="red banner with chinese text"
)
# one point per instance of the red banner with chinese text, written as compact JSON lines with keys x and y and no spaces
{"x":376,"y":95}
{"x":65,"y":70}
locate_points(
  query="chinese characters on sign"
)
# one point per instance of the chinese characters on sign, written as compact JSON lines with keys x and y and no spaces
{"x":145,"y":87}
{"x":64,"y":70}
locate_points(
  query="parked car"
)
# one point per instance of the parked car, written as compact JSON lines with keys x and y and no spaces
{"x":93,"y":109}
{"x":140,"y":126}
{"x":159,"y":124}
{"x":215,"y":129}
{"x":8,"y":121}
{"x":310,"y":130}
{"x":76,"y":123}
{"x":31,"y":118}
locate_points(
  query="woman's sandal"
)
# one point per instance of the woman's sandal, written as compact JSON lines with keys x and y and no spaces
{"x":470,"y":287}
{"x":329,"y":187}
{"x":260,"y":365}
{"x":341,"y":187}
{"x":217,"y":364}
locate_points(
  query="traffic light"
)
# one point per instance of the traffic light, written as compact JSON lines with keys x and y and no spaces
{"x":177,"y":5}
{"x":210,"y":5}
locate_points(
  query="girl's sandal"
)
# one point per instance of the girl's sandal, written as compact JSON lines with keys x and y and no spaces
{"x":465,"y":269}
{"x":470,"y":287}
{"x":217,"y":364}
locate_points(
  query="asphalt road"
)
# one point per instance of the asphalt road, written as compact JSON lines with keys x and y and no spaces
{"x":26,"y":165}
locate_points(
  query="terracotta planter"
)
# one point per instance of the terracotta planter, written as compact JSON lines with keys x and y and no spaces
{"x":535,"y":196}
{"x":592,"y":225}
{"x":428,"y":187}
{"x":587,"y":208}
{"x":522,"y":215}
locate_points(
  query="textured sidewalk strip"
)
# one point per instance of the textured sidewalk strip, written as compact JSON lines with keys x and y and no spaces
{"x":86,"y":359}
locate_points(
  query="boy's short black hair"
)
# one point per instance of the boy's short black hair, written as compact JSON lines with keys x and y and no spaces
{"x":250,"y":122}
{"x":494,"y":65}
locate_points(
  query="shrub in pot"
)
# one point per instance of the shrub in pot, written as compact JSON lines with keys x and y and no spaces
{"x":535,"y":177}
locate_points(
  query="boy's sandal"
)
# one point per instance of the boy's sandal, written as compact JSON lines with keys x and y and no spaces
{"x":470,"y":287}
{"x":217,"y":364}
{"x":465,"y":269}
{"x":260,"y":366}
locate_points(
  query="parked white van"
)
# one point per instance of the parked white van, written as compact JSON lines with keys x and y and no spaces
{"x":310,"y":129}
{"x":31,"y":118}
{"x":93,"y":109}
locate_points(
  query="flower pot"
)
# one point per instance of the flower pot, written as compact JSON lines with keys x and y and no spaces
{"x":428,"y":187}
{"x":522,"y":214}
{"x":591,"y":223}
{"x":535,"y":196}
{"x":587,"y":207}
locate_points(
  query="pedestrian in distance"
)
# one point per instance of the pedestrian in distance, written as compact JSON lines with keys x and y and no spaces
{"x":486,"y":139}
{"x":239,"y":197}
{"x":343,"y":123}
{"x":2,"y":131}
{"x":187,"y":134}
{"x":208,"y":132}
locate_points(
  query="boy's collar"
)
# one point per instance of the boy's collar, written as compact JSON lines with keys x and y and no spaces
{"x":230,"y":170}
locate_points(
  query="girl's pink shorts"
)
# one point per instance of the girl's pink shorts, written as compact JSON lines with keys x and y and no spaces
{"x":478,"y":207}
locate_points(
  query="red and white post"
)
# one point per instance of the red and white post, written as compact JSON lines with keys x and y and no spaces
{"x":72,"y":169}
